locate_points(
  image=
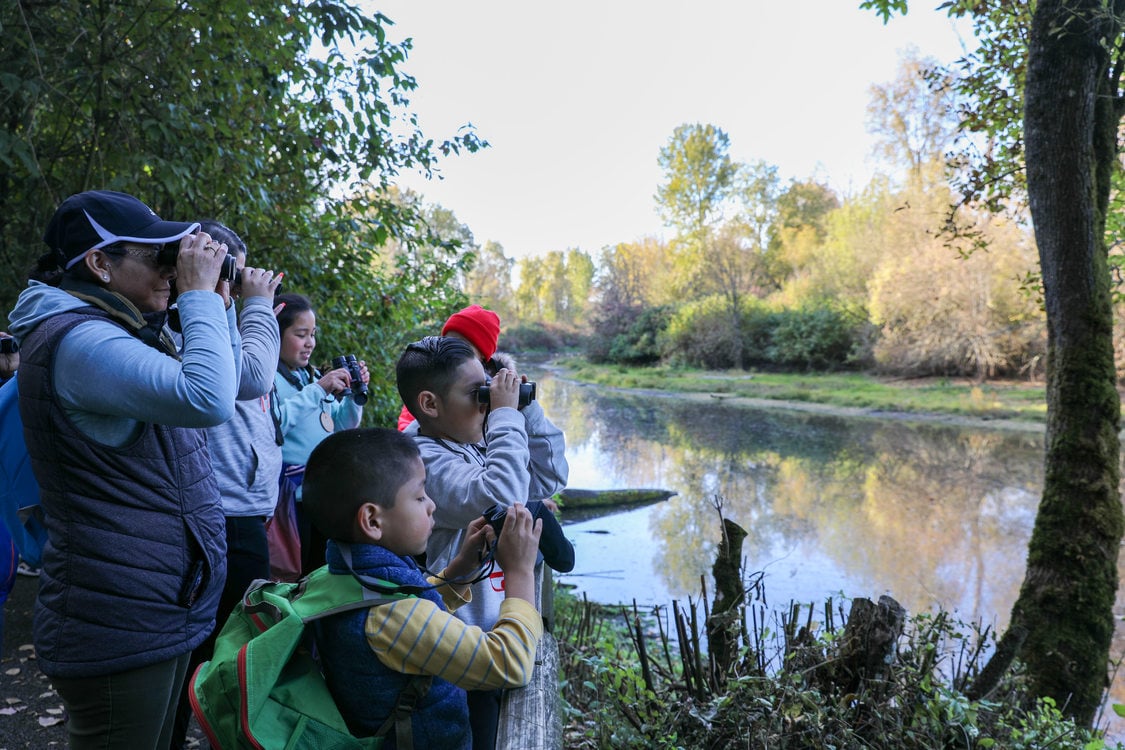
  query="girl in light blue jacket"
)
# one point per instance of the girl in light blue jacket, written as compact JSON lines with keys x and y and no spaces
{"x":312,"y":406}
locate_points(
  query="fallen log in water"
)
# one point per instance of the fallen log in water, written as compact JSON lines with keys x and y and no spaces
{"x":574,"y":498}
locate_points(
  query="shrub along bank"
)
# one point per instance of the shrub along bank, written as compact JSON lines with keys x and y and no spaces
{"x":799,"y":677}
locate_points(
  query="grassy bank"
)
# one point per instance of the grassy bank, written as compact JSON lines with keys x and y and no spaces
{"x":1009,"y":400}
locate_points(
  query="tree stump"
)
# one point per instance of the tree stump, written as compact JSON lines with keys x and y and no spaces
{"x":725,"y":623}
{"x":869,"y":645}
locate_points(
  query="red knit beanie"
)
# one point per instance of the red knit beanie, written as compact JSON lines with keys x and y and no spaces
{"x":481,"y":327}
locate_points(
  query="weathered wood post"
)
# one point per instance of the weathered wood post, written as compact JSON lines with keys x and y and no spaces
{"x":531,"y":716}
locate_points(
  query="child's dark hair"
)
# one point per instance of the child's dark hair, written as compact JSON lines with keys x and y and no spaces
{"x":295,"y":304}
{"x":429,"y":365}
{"x":350,"y":468}
{"x":224,"y":234}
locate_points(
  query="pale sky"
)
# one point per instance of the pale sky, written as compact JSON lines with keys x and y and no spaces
{"x":577,"y":99}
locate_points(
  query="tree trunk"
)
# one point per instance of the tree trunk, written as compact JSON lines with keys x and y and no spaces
{"x":1062,"y":621}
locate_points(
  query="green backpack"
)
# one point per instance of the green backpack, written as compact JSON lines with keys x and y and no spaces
{"x":262,"y":688}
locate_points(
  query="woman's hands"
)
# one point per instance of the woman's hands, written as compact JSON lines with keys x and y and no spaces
{"x":198,"y":263}
{"x":259,"y":282}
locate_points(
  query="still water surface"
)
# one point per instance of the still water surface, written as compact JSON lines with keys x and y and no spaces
{"x":937,"y":516}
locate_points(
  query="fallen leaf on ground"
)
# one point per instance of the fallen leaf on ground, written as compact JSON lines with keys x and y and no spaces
{"x":49,"y":721}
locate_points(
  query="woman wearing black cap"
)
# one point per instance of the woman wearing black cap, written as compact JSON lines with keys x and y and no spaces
{"x":113,"y":417}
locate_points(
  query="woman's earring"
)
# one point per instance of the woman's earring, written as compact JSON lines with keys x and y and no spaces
{"x":105,"y":277}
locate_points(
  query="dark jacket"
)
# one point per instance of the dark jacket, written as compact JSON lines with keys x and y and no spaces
{"x":136,"y":553}
{"x":364,"y":688}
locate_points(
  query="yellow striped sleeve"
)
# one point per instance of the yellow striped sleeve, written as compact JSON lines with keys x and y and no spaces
{"x":415,"y":636}
{"x":453,"y":595}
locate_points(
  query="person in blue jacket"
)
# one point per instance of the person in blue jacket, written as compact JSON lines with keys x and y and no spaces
{"x":113,"y":416}
{"x":9,"y":554}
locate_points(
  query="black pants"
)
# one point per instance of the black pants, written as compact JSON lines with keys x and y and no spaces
{"x":484,"y":717}
{"x":248,"y":558}
{"x":129,"y":709}
{"x":314,"y":545}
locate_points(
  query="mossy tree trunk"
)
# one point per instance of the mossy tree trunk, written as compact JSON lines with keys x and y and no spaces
{"x":1062,"y":621}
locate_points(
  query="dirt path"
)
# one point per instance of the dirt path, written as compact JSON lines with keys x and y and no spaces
{"x":31,"y":713}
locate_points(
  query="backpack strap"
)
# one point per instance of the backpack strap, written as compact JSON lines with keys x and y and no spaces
{"x":375,"y":584}
{"x":322,"y":598}
{"x":399,"y":719}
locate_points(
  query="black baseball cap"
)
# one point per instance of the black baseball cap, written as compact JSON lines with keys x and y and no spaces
{"x":97,"y":218}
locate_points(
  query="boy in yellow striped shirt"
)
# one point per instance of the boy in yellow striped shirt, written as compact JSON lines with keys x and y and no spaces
{"x":365,"y":490}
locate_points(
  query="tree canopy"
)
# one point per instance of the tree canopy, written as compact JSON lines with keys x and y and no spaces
{"x":285,"y":120}
{"x":700,"y":178}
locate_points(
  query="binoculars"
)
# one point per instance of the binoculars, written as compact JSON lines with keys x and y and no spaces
{"x":556,"y":549}
{"x":527,"y":394}
{"x":359,"y":388}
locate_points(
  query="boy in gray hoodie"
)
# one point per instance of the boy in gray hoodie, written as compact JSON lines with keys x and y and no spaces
{"x":476,"y":455}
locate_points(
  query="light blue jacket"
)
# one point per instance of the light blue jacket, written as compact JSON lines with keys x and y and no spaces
{"x":301,"y":410}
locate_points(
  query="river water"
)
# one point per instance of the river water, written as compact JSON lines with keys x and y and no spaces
{"x":937,"y":516}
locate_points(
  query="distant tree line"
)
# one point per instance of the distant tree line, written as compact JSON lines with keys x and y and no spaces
{"x":904,"y":277}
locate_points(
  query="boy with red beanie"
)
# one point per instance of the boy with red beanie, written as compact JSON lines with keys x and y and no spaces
{"x":480,"y":328}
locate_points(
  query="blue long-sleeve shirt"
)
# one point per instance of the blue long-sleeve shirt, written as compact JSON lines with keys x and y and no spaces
{"x":198,"y":390}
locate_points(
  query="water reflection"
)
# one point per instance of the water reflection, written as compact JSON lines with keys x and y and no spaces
{"x":934,"y":515}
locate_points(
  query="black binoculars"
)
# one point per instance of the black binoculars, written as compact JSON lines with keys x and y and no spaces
{"x":556,"y":549}
{"x":359,"y":388}
{"x":527,"y":394}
